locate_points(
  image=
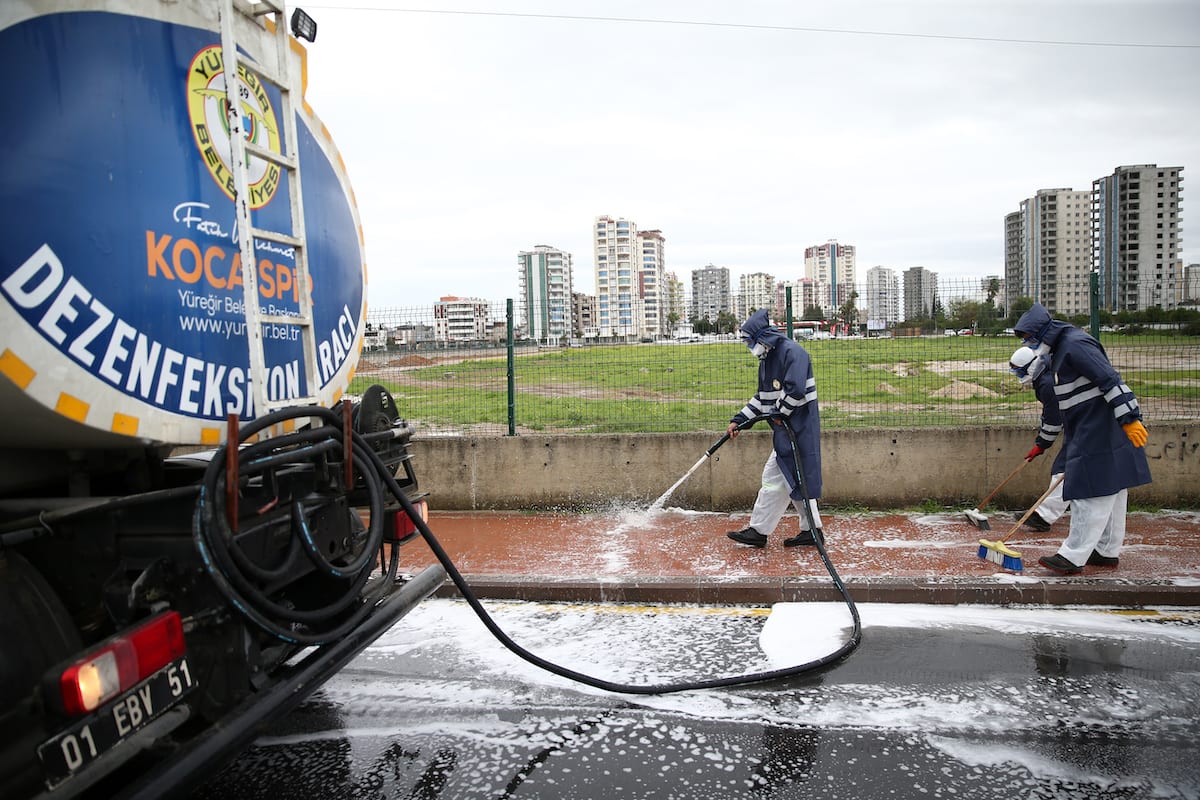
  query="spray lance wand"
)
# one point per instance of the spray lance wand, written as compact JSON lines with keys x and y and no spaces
{"x":658,"y":504}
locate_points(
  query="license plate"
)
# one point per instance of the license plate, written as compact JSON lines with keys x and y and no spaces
{"x":78,"y":746}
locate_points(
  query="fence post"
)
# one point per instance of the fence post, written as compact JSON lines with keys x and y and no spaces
{"x":512,"y":390}
{"x":787,"y":294}
{"x":1094,"y":295}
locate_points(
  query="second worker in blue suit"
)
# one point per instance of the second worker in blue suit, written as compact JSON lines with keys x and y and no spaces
{"x":787,"y":392}
{"x":1104,"y":440}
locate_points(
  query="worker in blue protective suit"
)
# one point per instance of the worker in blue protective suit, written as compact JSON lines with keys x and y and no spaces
{"x":1032,"y":371}
{"x":1104,"y":440}
{"x":787,"y":392}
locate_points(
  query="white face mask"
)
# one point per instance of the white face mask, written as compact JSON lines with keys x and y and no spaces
{"x":759,"y":349}
{"x":1041,"y":348}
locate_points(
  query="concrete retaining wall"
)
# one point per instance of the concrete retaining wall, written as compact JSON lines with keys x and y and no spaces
{"x":882,"y":469}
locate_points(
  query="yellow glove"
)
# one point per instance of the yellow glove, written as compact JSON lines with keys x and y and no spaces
{"x":1136,"y":432}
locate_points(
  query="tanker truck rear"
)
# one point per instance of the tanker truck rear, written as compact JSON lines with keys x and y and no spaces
{"x":197,"y":525}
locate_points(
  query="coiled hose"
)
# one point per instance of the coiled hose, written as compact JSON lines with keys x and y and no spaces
{"x":239,"y":579}
{"x":210,"y":530}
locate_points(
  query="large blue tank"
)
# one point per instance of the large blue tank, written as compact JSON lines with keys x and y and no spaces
{"x":121,"y":298}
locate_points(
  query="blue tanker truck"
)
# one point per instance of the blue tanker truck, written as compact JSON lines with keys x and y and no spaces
{"x":200,"y":515}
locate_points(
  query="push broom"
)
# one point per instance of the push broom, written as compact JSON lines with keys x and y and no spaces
{"x":1000,"y":553}
{"x":977,"y":517}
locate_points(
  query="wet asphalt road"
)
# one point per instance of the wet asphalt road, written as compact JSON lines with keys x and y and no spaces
{"x":937,"y":702}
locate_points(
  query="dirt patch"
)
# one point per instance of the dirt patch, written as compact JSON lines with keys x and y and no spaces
{"x":411,"y":361}
{"x":961,"y":390}
{"x":950,"y":367}
{"x":903,"y":369}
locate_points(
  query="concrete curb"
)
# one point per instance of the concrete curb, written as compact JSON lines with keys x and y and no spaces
{"x":764,"y":591}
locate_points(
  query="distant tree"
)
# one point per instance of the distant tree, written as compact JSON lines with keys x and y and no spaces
{"x":726,"y":322}
{"x":993,"y":289}
{"x":936,"y":312}
{"x":813,"y":313}
{"x":966,"y":313}
{"x":1019,"y":307}
{"x":848,"y":313}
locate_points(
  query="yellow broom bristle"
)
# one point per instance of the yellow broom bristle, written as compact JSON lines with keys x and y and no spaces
{"x":999,"y":548}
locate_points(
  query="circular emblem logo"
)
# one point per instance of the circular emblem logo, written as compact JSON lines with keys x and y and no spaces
{"x":208,"y":107}
{"x":776,"y":384}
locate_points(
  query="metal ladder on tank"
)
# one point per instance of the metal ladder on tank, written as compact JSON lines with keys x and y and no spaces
{"x":288,"y":159}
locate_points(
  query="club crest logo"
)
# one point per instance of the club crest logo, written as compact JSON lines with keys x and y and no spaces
{"x":207,"y":108}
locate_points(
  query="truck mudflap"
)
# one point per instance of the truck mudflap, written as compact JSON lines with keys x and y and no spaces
{"x":291,"y":686}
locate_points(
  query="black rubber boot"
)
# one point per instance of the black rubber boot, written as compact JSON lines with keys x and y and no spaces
{"x":1035,"y":522}
{"x":1060,"y":565}
{"x":748,"y":536}
{"x":1097,"y":560}
{"x":804,"y":538}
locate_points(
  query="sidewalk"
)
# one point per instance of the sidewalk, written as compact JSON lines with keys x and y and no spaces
{"x":685,"y":557}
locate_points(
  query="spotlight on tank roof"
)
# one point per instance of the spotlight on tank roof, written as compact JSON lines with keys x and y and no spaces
{"x":303,"y":26}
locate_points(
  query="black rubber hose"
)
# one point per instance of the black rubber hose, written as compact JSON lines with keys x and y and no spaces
{"x":214,"y":540}
{"x":253,"y":603}
{"x":612,"y":686}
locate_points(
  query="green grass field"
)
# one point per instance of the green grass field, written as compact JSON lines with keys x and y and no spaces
{"x":861,"y":383}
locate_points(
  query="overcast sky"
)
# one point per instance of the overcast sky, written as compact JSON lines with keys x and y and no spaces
{"x":744,"y":131}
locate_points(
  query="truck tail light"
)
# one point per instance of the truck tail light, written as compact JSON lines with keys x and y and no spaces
{"x":120,"y":663}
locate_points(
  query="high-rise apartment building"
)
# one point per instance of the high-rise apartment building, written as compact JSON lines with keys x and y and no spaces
{"x":1135,"y":236}
{"x":1014,"y":256}
{"x":920,"y":292}
{"x":1126,"y":230}
{"x":629,"y":275}
{"x":650,"y":298}
{"x":710,"y":292}
{"x":613,"y":243}
{"x":460,"y":319}
{"x":756,"y":290}
{"x":544,"y":292}
{"x":804,"y":297}
{"x":882,"y":300}
{"x":583,"y":314}
{"x":676,"y":308}
{"x":1049,"y":244}
{"x":1191,"y":284}
{"x":831,"y":267}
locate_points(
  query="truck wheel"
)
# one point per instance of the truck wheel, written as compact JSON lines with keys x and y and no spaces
{"x":31,"y":613}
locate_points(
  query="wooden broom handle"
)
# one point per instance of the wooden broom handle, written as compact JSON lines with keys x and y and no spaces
{"x":1011,"y":475}
{"x":1033,"y":507}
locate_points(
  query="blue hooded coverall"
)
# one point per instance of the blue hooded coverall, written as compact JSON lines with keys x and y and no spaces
{"x":1101,"y":461}
{"x":786,"y":388}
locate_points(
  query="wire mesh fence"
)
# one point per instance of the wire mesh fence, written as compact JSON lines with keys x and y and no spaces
{"x":915,"y":373}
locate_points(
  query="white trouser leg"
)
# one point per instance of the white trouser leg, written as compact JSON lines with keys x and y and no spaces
{"x":774,"y":495}
{"x":1095,"y":521}
{"x":1053,"y":506}
{"x":773,"y":498}
{"x":803,"y":519}
{"x":1113,"y":538}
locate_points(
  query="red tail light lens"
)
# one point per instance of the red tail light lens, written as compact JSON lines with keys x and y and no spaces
{"x":121,"y":663}
{"x":403,"y":526}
